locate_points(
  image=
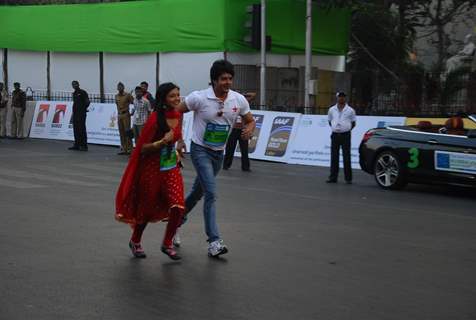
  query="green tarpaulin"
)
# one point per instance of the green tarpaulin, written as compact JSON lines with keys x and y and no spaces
{"x":167,"y":26}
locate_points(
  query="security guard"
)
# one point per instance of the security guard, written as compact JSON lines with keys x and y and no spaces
{"x":18,"y":107}
{"x":123,"y":101}
{"x":80,"y":108}
{"x":342,"y":119}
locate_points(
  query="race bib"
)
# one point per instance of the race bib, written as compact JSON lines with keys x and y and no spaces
{"x":168,"y":161}
{"x":216,"y":134}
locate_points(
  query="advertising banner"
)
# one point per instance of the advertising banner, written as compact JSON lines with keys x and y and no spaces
{"x":312,"y":145}
{"x":101,"y":124}
{"x":273,"y":136}
{"x":279,"y":136}
{"x":51,"y":120}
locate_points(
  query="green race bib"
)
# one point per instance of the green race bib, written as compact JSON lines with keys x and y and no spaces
{"x":216,"y":134}
{"x":167,"y":161}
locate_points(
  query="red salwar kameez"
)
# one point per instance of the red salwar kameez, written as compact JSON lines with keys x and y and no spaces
{"x":147,"y":193}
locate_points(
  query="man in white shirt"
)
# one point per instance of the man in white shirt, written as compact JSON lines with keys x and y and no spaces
{"x":216,"y":110}
{"x":342,"y":120}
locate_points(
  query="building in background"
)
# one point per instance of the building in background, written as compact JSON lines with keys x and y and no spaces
{"x":45,"y":47}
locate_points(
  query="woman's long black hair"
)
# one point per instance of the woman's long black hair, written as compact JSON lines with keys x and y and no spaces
{"x":161,"y":106}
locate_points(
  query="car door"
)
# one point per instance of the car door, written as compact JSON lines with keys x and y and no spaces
{"x":454,"y":158}
{"x":416,"y":151}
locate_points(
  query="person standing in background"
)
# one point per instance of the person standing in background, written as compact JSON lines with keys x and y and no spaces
{"x":123,"y":100}
{"x":80,"y":108}
{"x":3,"y":111}
{"x":19,"y":108}
{"x":235,"y":137}
{"x":341,"y":118}
{"x":146,"y":94}
{"x":140,"y":112}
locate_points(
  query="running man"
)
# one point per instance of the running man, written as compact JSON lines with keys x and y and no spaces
{"x":216,"y":110}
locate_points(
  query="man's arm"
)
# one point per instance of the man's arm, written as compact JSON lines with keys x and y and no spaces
{"x":353,"y":119}
{"x":148,"y":106}
{"x":249,"y":125}
{"x":86,"y":99}
{"x":23,"y":103}
{"x":182,"y":107}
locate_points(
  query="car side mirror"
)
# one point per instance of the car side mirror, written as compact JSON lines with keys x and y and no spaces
{"x":472,"y":134}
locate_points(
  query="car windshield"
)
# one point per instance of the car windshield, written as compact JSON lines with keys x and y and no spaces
{"x":472,"y":117}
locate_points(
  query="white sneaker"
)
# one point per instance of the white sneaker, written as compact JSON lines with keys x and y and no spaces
{"x":216,"y":248}
{"x":176,"y":240}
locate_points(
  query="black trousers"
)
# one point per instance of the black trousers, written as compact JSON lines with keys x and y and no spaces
{"x":339,"y":140}
{"x":235,"y":136}
{"x":79,"y":129}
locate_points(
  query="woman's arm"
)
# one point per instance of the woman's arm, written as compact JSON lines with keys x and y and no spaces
{"x":172,"y":136}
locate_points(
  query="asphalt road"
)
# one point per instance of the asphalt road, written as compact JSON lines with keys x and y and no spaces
{"x":299,"y":248}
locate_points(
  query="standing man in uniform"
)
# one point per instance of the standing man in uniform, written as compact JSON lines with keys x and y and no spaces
{"x":341,"y":120}
{"x":123,"y":100}
{"x":216,"y":110}
{"x":18,"y":108}
{"x":3,"y":111}
{"x":80,"y":108}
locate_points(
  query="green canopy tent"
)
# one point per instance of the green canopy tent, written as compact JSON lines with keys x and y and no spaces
{"x":168,"y":26}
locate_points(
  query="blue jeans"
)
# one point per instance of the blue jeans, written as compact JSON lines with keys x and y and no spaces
{"x":207,"y":163}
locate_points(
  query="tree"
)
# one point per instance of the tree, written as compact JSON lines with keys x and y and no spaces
{"x":435,"y":17}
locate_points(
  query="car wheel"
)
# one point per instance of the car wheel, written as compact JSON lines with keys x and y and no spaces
{"x":388,"y":171}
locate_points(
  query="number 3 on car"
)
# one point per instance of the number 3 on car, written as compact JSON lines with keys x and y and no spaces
{"x":414,"y":161}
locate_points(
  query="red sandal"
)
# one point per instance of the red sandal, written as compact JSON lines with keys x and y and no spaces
{"x":171,"y":253}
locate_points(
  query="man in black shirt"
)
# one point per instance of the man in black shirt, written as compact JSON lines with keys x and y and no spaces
{"x":80,"y":107}
{"x":18,"y":111}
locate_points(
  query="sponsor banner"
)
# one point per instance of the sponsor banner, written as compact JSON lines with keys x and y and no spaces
{"x":51,"y":120}
{"x":101,"y":124}
{"x":54,"y":120}
{"x":312,"y":145}
{"x":279,"y":136}
{"x":455,"y":162}
{"x":273,"y":136}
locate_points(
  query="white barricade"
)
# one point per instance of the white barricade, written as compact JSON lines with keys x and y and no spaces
{"x":279,"y":136}
{"x":312,"y":145}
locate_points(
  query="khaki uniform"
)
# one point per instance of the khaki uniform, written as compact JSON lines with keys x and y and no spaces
{"x":3,"y":113}
{"x":124,"y":120}
{"x":18,"y":107}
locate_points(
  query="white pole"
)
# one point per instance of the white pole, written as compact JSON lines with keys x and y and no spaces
{"x":307,"y":73}
{"x":262,"y":78}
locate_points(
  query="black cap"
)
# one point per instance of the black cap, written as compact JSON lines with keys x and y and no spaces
{"x":341,"y":94}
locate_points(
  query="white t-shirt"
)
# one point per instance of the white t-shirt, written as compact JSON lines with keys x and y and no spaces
{"x":210,"y":129}
{"x":341,"y":121}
